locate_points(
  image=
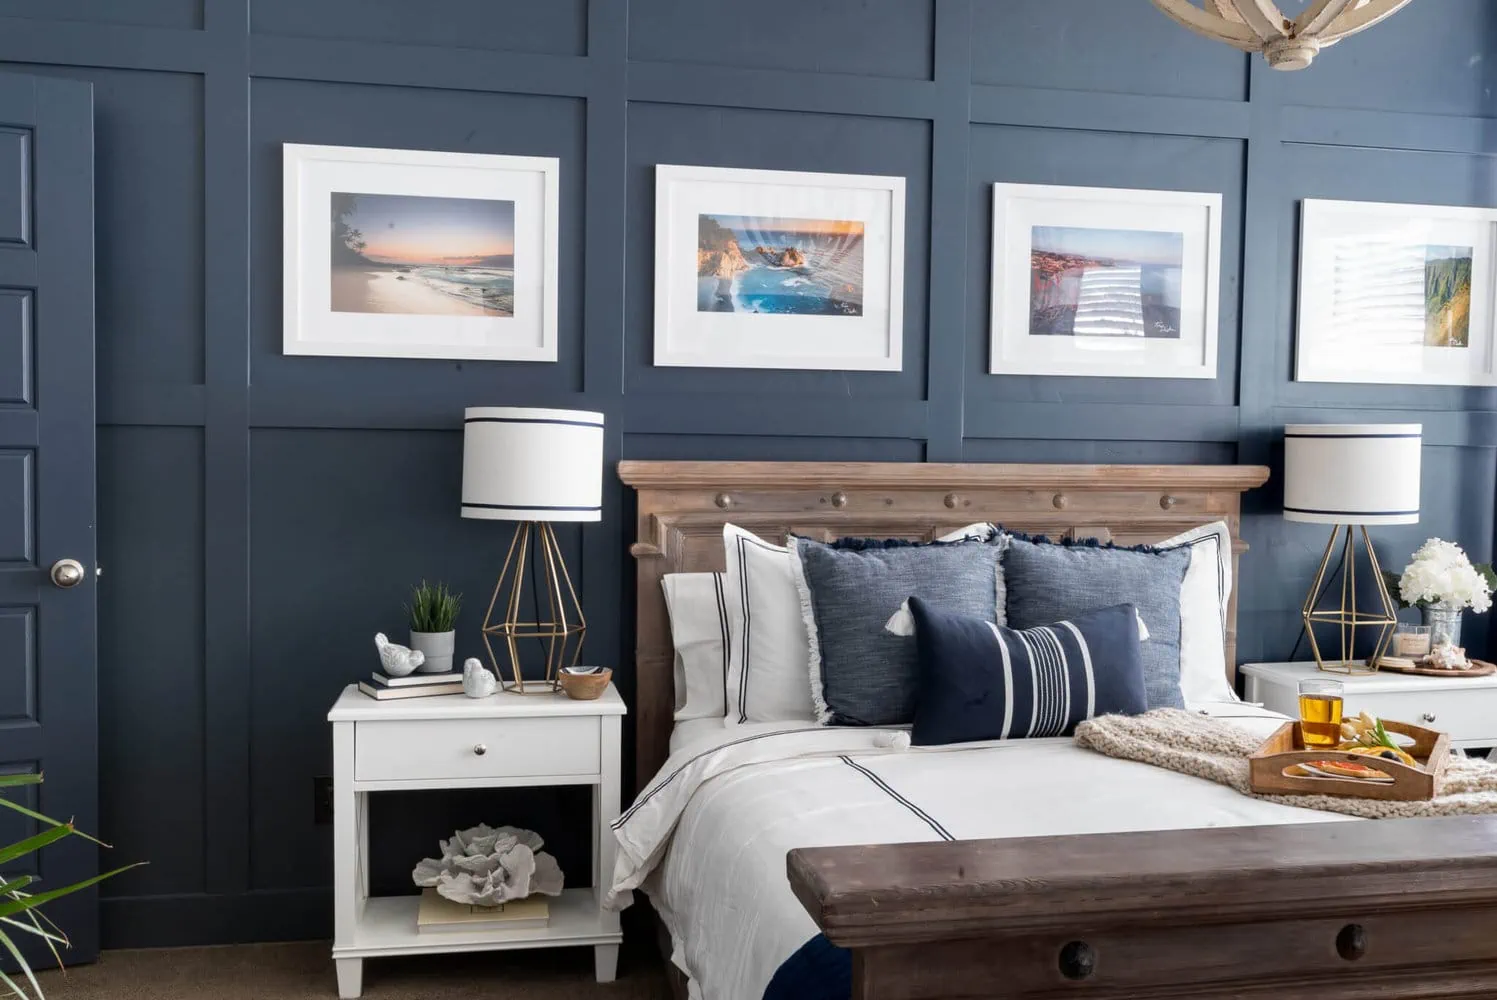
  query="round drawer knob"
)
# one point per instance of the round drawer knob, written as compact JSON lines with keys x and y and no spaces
{"x":723,"y":500}
{"x":839,"y":500}
{"x":1059,"y":501}
{"x":1167,"y":502}
{"x":480,"y":749}
{"x":952,"y":501}
{"x":1351,"y":943}
{"x":1427,"y":717}
{"x":1077,"y":960}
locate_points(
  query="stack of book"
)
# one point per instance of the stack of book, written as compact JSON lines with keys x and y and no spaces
{"x":383,"y":688}
{"x":436,"y":914}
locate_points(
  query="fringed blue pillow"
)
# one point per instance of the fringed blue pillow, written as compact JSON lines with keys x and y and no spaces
{"x":1050,"y":582}
{"x":980,"y":681}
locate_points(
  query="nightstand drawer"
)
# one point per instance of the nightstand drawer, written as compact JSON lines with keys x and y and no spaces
{"x":1464,"y":717}
{"x":480,"y":748}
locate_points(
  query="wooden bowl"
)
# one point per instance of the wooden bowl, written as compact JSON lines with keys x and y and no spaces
{"x":586,"y":687}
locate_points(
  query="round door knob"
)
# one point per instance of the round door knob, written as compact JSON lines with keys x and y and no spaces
{"x":723,"y":500}
{"x":67,"y":573}
{"x":952,"y":501}
{"x":1059,"y":501}
{"x":480,"y":750}
{"x":1078,"y":960}
{"x":839,"y":500}
{"x":1427,"y":717}
{"x":1167,"y":502}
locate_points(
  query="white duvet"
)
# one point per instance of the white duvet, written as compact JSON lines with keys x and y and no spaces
{"x":707,"y":839}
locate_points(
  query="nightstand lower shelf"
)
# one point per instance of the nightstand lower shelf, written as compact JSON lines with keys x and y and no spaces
{"x":387,"y":926}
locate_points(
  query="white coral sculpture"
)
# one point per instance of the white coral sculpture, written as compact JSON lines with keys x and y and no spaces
{"x":487,"y":866}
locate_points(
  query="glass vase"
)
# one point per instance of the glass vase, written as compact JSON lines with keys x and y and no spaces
{"x":1444,"y":623}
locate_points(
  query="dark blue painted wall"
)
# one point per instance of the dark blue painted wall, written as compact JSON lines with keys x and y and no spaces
{"x":261,"y":515}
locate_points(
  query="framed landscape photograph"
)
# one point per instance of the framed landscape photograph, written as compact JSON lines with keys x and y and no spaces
{"x":775,"y":269}
{"x":1104,"y":282}
{"x":395,"y":253}
{"x":1395,"y":294}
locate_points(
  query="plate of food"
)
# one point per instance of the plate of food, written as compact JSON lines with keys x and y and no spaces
{"x":1339,"y":769}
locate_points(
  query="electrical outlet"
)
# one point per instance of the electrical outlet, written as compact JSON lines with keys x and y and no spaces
{"x":322,"y":800}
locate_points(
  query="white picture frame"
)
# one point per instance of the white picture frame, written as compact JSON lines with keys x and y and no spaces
{"x":841,"y":308}
{"x":1153,"y":304}
{"x":1418,"y":331}
{"x":430,"y":279}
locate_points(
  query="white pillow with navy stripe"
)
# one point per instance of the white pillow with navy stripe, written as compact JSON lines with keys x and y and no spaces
{"x":699,"y":630}
{"x":980,"y":681}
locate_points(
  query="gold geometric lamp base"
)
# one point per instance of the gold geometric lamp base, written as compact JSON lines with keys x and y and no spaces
{"x":1350,"y":476}
{"x":533,"y":466}
{"x":1348,"y":618}
{"x":563,"y":631}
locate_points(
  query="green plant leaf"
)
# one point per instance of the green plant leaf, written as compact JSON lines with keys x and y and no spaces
{"x":13,"y":780}
{"x":1390,"y":580}
{"x":31,"y":902}
{"x":17,"y":807}
{"x":12,"y":851}
{"x":14,"y":989}
{"x":15,"y":953}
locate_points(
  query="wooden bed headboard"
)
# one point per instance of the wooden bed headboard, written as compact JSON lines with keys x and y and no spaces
{"x":684,"y":505}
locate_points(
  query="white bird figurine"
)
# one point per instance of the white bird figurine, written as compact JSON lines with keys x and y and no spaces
{"x":396,"y":660}
{"x":477,"y":681}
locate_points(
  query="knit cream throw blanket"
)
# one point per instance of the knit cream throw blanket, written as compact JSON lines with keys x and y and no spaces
{"x":1216,"y":750}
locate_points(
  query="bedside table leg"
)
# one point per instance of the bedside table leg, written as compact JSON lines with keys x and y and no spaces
{"x":606,"y":962}
{"x":350,"y":977}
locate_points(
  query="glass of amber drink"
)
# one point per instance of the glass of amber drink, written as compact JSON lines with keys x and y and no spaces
{"x":1320,"y":702}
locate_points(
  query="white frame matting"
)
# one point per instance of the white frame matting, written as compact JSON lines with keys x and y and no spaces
{"x":1328,"y":349}
{"x":1019,"y":208}
{"x":311,"y":327}
{"x":685,"y":336}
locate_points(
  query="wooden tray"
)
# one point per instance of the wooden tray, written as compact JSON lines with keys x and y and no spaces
{"x":1410,"y":784}
{"x":1481,"y":668}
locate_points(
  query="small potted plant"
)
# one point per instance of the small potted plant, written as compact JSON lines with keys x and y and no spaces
{"x":433,"y":613}
{"x":1442,"y":583}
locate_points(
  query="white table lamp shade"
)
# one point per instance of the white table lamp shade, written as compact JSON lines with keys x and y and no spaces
{"x":526,"y":464}
{"x":1361,"y":474}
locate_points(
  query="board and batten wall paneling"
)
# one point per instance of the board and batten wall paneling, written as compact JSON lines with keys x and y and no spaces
{"x":272,"y":510}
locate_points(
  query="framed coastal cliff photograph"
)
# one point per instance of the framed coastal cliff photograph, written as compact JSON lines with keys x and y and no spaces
{"x":1104,"y":282}
{"x":398,"y":253}
{"x":1396,"y":294}
{"x":778,"y":269}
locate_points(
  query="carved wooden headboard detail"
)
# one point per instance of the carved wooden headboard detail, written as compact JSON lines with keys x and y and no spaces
{"x":683,"y":506}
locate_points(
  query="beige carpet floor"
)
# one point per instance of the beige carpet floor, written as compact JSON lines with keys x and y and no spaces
{"x":304,"y":970}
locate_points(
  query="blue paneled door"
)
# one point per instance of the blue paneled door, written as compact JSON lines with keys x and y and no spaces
{"x":48,"y":618}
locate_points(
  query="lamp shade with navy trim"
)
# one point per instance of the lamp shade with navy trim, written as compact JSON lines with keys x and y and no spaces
{"x":1364,"y":474}
{"x":528,"y":464}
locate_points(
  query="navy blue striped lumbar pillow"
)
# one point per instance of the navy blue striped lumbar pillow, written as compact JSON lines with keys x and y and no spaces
{"x":980,"y":681}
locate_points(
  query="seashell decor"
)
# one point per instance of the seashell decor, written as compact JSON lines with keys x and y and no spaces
{"x":486,"y":866}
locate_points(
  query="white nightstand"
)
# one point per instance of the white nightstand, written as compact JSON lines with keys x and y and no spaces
{"x":1464,"y":707}
{"x":453,"y":741}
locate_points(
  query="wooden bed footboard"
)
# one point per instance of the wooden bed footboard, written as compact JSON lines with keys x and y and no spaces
{"x":1370,"y":910}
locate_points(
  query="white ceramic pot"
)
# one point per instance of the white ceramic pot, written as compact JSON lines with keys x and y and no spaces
{"x":438,"y":648}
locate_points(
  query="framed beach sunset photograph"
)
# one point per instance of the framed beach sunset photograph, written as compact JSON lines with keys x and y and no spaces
{"x":1104,"y":282}
{"x":1396,"y":294}
{"x":777,"y":269}
{"x":412,"y":254}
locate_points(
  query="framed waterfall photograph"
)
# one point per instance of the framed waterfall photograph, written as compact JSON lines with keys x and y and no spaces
{"x":1396,"y":294}
{"x":1104,"y":282}
{"x":398,"y":253}
{"x":778,"y":269}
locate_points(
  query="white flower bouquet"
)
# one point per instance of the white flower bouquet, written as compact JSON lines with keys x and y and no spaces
{"x":1440,"y":575}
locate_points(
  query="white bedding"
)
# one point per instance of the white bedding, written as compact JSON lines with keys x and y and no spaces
{"x":707,"y":839}
{"x":691,"y":730}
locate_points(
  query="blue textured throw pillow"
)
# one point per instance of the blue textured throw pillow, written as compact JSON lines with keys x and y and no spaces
{"x":861,"y":675}
{"x":980,"y":681}
{"x":1051,"y":582}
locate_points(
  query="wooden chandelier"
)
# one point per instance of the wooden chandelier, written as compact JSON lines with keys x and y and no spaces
{"x":1287,"y":43}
